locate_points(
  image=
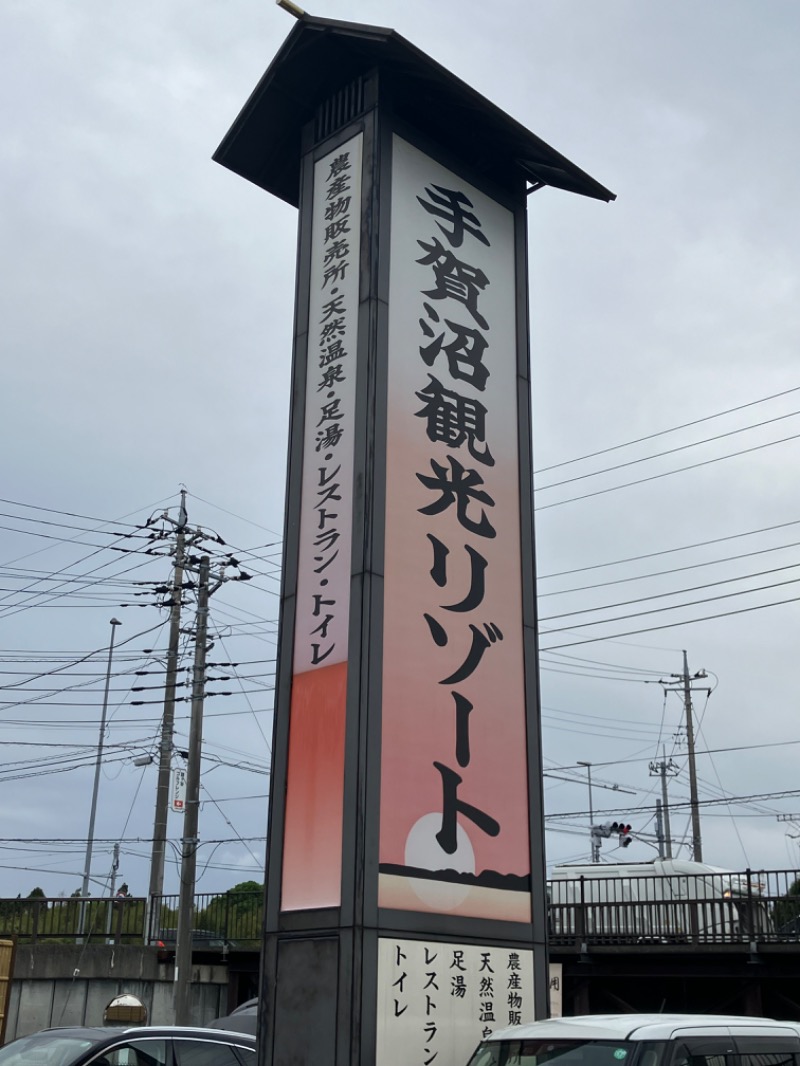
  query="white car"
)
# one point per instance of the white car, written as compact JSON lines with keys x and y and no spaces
{"x":643,"y":1040}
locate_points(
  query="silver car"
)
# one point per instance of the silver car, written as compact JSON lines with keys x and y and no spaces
{"x":145,"y":1045}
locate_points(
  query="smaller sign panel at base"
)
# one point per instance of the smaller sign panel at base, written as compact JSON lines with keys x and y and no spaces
{"x":437,"y":1000}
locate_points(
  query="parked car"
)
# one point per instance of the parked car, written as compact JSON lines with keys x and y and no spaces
{"x":202,"y":939}
{"x":240,"y":1020}
{"x":642,"y":1040}
{"x":145,"y":1045}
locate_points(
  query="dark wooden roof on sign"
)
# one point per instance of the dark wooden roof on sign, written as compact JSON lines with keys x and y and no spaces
{"x":321,"y":56}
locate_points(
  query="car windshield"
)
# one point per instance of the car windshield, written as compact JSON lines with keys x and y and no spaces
{"x":46,"y":1049}
{"x":537,"y":1052}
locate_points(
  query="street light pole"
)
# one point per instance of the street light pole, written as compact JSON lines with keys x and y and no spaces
{"x":87,"y":865}
{"x":595,"y":846}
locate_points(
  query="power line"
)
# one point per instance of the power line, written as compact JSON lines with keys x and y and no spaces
{"x":133,"y":532}
{"x":96,"y":651}
{"x":669,"y":551}
{"x":708,"y":751}
{"x":667,"y":625}
{"x":594,"y":676}
{"x":664,"y":432}
{"x":676,"y":804}
{"x":241,"y":518}
{"x":668,"y":451}
{"x":673,"y":570}
{"x":601,"y":663}
{"x":666,"y":473}
{"x":87,"y":518}
{"x":681,"y":592}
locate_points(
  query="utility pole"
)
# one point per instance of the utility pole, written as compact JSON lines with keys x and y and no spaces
{"x":793,"y":819}
{"x":683,"y":681}
{"x":112,"y":890}
{"x":662,"y":769}
{"x":114,"y":868}
{"x":595,"y":844}
{"x":183,"y":951}
{"x":697,"y":846}
{"x":660,"y":829}
{"x":167,"y":726}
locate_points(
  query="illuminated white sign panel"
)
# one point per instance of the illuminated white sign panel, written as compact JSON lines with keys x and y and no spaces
{"x":323,"y":587}
{"x":454,"y":831}
{"x":312,"y":854}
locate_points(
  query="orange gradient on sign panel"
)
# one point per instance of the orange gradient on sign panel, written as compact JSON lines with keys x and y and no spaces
{"x":312,"y":848}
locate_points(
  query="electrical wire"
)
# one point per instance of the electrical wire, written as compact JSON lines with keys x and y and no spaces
{"x":241,"y":518}
{"x":666,"y":473}
{"x":667,"y":625}
{"x":669,"y":451}
{"x":669,"y":551}
{"x":673,"y":570}
{"x":672,"y":429}
{"x":681,"y":592}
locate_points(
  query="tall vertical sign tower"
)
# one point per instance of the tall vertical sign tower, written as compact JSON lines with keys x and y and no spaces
{"x":405,"y":906}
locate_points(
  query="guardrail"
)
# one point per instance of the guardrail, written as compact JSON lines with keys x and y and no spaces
{"x":709,"y":908}
{"x":222,"y":922}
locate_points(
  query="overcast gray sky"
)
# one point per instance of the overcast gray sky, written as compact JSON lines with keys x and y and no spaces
{"x":146,"y":312}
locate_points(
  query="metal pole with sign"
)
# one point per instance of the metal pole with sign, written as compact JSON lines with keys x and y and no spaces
{"x":405,"y":903}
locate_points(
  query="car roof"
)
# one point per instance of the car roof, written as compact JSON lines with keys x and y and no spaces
{"x":249,"y":1004}
{"x":636,"y":1026}
{"x":107,"y":1032}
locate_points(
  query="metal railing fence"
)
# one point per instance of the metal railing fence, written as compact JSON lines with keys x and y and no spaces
{"x":752,"y":906}
{"x":697,"y":908}
{"x":220,"y":922}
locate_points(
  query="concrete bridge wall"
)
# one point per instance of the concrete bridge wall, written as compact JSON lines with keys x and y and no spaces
{"x":71,"y":984}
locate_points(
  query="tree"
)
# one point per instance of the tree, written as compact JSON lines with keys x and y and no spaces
{"x":247,"y":894}
{"x":236,"y":914}
{"x":787,"y":910}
